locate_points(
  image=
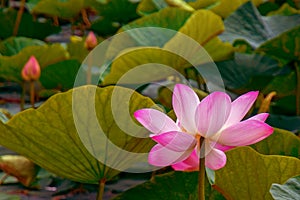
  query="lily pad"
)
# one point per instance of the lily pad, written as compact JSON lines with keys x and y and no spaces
{"x":249,"y":71}
{"x":11,"y":66}
{"x":169,"y":18}
{"x":114,"y":14}
{"x":51,"y":135}
{"x":60,"y":75}
{"x":289,"y":144}
{"x":170,"y":186}
{"x":288,"y":190}
{"x":246,"y":23}
{"x":249,"y":175}
{"x":59,"y":8}
{"x":285,"y":46}
{"x":13,"y":45}
{"x":28,"y":25}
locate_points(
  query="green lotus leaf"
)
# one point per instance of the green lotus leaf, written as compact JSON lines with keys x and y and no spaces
{"x":28,"y":26}
{"x":203,"y":26}
{"x":114,"y":14}
{"x":151,"y":59}
{"x":225,"y":8}
{"x":76,"y":49}
{"x":286,"y":105}
{"x":170,"y":186}
{"x":60,"y":8}
{"x":291,"y":123}
{"x":13,"y":45}
{"x":60,"y":75}
{"x":11,"y":66}
{"x":288,"y":190}
{"x":284,"y":85}
{"x":285,"y":10}
{"x":246,"y":23}
{"x":200,"y":29}
{"x":249,"y":175}
{"x":289,"y":144}
{"x":68,"y":132}
{"x":285,"y":46}
{"x":147,"y":7}
{"x":169,"y":18}
{"x":250,"y":72}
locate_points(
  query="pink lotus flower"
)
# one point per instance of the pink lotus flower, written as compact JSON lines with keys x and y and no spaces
{"x":215,"y":118}
{"x":91,"y":41}
{"x":31,"y":71}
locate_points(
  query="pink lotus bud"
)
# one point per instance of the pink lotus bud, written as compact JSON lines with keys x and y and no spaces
{"x":90,"y":41}
{"x":31,"y":71}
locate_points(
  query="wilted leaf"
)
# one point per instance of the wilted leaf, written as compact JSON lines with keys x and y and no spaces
{"x":20,"y":167}
{"x":281,"y":142}
{"x":249,"y":175}
{"x":11,"y":66}
{"x":14,"y":45}
{"x":288,"y":190}
{"x":53,"y":135}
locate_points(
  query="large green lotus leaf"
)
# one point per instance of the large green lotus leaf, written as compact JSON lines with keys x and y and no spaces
{"x":281,"y":142}
{"x":28,"y":26}
{"x":225,"y":8}
{"x":169,"y":18}
{"x":288,"y":190}
{"x":14,"y":45}
{"x":152,"y":58}
{"x":246,"y":23}
{"x":66,"y":9}
{"x":114,"y":14}
{"x":285,"y":46}
{"x":146,"y":7}
{"x":285,"y":106}
{"x":203,"y":26}
{"x":249,"y":175}
{"x":77,"y":50}
{"x":53,"y":135}
{"x":291,"y":123}
{"x":249,"y":71}
{"x":121,"y":11}
{"x":284,"y":85}
{"x":285,"y":10}
{"x":11,"y":66}
{"x":60,"y":75}
{"x":170,"y":186}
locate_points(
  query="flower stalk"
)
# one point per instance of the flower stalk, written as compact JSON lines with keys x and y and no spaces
{"x":201,"y":173}
{"x":101,"y":189}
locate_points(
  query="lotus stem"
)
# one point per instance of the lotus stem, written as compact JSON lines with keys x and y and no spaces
{"x":265,"y":105}
{"x":101,"y":189}
{"x":22,"y":102}
{"x":85,"y":18}
{"x":32,"y":93}
{"x":297,"y":89}
{"x":89,"y":71}
{"x":201,"y":174}
{"x":19,"y":17}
